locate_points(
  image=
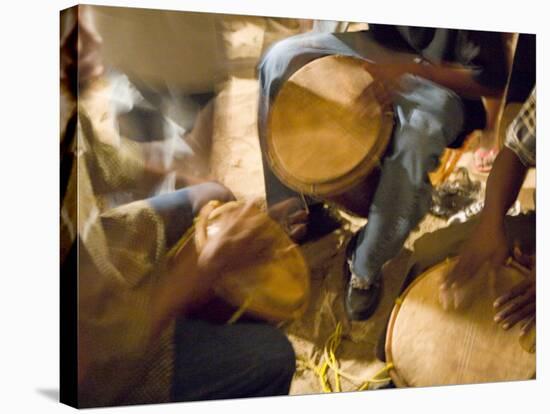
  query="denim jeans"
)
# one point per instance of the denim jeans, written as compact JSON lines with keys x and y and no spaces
{"x":428,"y":117}
{"x":220,"y":361}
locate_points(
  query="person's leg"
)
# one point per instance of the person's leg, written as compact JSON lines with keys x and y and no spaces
{"x":178,"y":208}
{"x":230,"y":361}
{"x":428,"y":118}
{"x":277,"y":65}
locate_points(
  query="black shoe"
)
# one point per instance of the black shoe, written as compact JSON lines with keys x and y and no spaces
{"x":360,"y":304}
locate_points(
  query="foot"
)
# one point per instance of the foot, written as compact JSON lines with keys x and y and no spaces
{"x":484,"y":158}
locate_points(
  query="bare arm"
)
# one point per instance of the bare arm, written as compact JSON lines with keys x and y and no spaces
{"x":461,"y":80}
{"x":492,"y":109}
{"x":503,"y":187}
{"x":488,"y":241}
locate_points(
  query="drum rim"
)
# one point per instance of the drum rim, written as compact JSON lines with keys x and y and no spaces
{"x":396,"y":377}
{"x":347,"y":181}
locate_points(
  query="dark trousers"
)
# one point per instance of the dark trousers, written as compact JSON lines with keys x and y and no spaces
{"x":230,"y":361}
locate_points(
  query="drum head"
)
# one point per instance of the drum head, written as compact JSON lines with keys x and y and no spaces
{"x":430,"y":346}
{"x":276,"y":288}
{"x":326,"y":127}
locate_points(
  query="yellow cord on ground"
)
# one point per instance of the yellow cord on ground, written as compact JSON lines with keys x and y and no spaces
{"x":330,"y":361}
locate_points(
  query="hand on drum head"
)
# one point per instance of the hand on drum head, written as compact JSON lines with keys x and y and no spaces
{"x":243,"y":238}
{"x":386,"y":78}
{"x":519,"y":303}
{"x":486,"y":245}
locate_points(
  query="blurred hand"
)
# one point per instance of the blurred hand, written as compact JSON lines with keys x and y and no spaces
{"x":387,"y":72}
{"x":519,"y":303}
{"x":486,"y":245}
{"x":292,"y":216}
{"x":243,"y":238}
{"x":387,"y":80}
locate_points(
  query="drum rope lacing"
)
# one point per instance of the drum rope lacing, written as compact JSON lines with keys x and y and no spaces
{"x":329,"y":360}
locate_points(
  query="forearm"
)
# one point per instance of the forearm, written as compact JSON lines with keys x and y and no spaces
{"x":503,"y":186}
{"x":492,"y":108}
{"x":460,"y":80}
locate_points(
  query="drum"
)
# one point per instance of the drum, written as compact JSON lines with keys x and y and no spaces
{"x":430,"y":346}
{"x":274,"y":289}
{"x":328,"y":130}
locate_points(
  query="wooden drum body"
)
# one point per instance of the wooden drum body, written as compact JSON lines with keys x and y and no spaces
{"x":327,"y":131}
{"x":275,"y":288}
{"x":430,"y":346}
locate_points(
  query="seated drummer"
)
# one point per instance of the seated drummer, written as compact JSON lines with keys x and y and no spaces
{"x":437,"y":102}
{"x":138,"y":341}
{"x":488,"y":241}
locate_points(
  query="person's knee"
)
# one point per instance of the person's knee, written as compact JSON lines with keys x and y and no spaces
{"x":276,"y":359}
{"x":284,"y":358}
{"x":276,"y":54}
{"x":275,"y":61}
{"x":431,"y":107}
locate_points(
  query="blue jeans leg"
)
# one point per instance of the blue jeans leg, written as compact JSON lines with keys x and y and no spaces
{"x":230,"y":361}
{"x":428,"y":118}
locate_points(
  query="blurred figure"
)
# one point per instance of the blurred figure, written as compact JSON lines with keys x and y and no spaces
{"x":136,"y":342}
{"x":488,"y":241}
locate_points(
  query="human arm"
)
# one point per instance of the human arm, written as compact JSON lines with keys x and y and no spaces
{"x":474,"y":64}
{"x":488,"y":241}
{"x":460,"y":79}
{"x":488,"y":139}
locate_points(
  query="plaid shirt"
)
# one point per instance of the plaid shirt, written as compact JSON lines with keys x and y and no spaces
{"x":521,"y":135}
